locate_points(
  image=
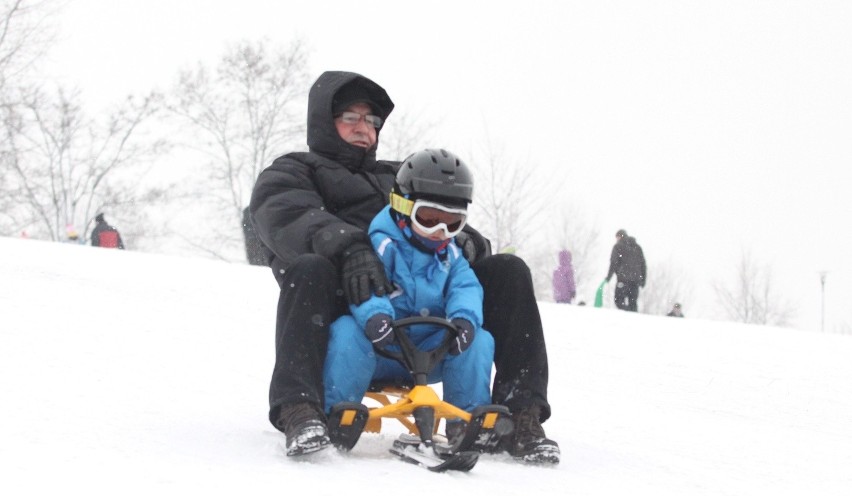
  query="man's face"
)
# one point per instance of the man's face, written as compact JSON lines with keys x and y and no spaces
{"x":360,"y":133}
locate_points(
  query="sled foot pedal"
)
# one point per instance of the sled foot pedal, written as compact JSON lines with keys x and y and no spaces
{"x":489,"y":424}
{"x":346,"y":423}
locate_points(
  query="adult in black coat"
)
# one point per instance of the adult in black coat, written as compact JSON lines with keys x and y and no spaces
{"x":311,"y":211}
{"x":627,"y":262}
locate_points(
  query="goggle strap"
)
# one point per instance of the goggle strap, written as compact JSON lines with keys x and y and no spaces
{"x":401,"y":204}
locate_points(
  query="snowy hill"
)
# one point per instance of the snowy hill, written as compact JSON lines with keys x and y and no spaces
{"x":132,"y":373}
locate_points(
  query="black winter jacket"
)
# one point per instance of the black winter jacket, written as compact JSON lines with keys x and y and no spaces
{"x":627,"y":261}
{"x":322,"y":201}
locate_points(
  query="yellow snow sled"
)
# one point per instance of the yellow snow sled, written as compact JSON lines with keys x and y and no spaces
{"x":420,"y":409}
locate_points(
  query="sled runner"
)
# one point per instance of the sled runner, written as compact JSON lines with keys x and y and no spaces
{"x":420,"y":410}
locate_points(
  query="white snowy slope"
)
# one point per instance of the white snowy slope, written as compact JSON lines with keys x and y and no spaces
{"x":131,"y":373}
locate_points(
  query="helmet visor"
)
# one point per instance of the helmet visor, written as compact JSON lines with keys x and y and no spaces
{"x":430,"y":217}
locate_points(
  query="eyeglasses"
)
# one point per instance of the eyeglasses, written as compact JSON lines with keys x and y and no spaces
{"x":430,"y":217}
{"x":353,"y":118}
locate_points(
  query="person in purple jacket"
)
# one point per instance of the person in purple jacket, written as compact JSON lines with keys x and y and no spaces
{"x":564,"y":289}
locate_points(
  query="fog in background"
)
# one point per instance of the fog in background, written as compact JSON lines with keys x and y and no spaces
{"x":703,"y":129}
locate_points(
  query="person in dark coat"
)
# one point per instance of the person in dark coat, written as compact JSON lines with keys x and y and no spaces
{"x":104,"y":235}
{"x":564,"y":289}
{"x":311,"y":211}
{"x":676,"y":311}
{"x":627,"y":262}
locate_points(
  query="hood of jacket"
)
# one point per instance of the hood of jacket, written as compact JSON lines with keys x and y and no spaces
{"x":323,"y":138}
{"x":564,"y":258}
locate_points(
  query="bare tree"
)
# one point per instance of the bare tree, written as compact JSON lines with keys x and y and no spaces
{"x":509,"y":197}
{"x":61,"y":168}
{"x":512,"y":201}
{"x":24,"y":35}
{"x":753,"y":298}
{"x":241,"y":114}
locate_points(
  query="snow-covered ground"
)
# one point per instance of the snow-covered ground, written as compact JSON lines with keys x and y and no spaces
{"x":132,"y":373}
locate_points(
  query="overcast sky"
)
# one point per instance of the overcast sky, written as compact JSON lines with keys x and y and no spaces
{"x":703,"y":128}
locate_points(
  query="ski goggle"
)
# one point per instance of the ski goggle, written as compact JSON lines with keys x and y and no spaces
{"x":430,"y":217}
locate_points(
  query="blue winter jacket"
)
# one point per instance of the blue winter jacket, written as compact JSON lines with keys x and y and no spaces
{"x":425,"y":283}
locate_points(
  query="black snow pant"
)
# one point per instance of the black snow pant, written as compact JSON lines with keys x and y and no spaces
{"x":311,"y":299}
{"x":626,"y":295}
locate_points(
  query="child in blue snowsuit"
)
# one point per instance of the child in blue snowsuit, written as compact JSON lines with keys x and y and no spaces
{"x":414,"y":239}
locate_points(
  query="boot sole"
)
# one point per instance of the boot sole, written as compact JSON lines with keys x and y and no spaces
{"x":309,"y":447}
{"x":310,"y":439}
{"x":541,"y":455}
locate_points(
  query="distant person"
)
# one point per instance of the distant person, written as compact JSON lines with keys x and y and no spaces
{"x":104,"y":235}
{"x":627,"y":262}
{"x":254,"y":248}
{"x":676,"y":311}
{"x":564,"y":289}
{"x":71,"y":235}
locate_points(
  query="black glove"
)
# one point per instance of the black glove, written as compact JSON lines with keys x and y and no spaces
{"x":465,"y":337}
{"x":379,"y":330}
{"x":362,"y":275}
{"x":474,"y":246}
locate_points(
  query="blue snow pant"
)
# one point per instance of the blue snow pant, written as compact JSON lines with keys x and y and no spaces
{"x":351,"y":365}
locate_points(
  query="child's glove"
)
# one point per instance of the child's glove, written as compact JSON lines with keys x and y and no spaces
{"x":379,"y":330}
{"x":465,"y":337}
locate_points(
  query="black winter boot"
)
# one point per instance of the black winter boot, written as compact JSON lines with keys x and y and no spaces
{"x":304,"y":426}
{"x":529,"y":443}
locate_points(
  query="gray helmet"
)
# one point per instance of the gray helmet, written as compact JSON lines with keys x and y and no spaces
{"x":436,"y":175}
